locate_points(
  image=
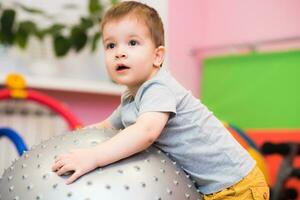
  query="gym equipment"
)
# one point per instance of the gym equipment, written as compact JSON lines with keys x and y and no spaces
{"x":16,"y":90}
{"x":15,"y":138}
{"x":289,"y":151}
{"x":148,"y":175}
{"x":36,"y":115}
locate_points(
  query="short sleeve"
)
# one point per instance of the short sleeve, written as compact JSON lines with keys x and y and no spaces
{"x":157,"y":97}
{"x":115,"y":119}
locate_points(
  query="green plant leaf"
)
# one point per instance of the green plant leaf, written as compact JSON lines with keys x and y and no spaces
{"x":2,"y":38}
{"x":25,"y":29}
{"x":61,"y":45}
{"x":6,"y":26}
{"x":22,"y":38}
{"x":55,"y":29}
{"x":86,"y":23}
{"x":7,"y":20}
{"x":78,"y":38}
{"x":95,"y":7}
{"x":28,"y":26}
{"x":40,"y":34}
{"x":95,"y":40}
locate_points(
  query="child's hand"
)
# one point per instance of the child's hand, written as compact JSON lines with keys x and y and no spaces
{"x":80,"y":162}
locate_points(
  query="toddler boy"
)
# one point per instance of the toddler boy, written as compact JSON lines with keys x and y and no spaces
{"x":157,"y":110}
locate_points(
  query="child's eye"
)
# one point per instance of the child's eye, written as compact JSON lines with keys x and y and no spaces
{"x":133,"y":42}
{"x":110,"y":46}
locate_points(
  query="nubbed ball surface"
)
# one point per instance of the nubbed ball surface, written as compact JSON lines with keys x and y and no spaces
{"x":149,"y":175}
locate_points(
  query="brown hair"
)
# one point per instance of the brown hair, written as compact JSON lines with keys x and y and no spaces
{"x":141,"y":11}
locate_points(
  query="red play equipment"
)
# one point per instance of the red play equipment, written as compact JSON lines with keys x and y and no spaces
{"x":16,"y":90}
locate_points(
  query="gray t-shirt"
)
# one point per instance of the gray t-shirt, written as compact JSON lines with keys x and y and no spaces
{"x":193,"y":136}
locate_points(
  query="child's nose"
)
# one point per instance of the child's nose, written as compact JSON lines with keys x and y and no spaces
{"x":121,"y":53}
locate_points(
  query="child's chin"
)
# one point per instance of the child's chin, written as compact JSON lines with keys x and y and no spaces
{"x":123,"y":83}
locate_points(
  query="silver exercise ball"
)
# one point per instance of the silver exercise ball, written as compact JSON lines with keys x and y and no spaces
{"x":149,"y":175}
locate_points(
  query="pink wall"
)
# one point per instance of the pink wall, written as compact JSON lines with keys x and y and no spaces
{"x":201,"y":23}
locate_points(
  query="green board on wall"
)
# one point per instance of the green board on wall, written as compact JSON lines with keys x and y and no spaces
{"x":254,"y":91}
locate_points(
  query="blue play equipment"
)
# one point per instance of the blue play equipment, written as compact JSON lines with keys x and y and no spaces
{"x":244,"y":136}
{"x":15,"y":138}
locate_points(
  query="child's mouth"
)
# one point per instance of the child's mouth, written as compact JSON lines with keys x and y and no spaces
{"x":122,"y":68}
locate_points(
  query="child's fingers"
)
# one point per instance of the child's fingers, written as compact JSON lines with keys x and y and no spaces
{"x":66,"y":168}
{"x":73,"y":177}
{"x":57,"y":165}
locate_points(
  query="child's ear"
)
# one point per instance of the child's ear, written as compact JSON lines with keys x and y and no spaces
{"x":159,"y":56}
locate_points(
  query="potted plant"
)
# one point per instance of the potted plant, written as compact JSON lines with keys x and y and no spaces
{"x":64,"y":37}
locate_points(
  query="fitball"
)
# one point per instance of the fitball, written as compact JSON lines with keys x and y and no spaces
{"x":148,"y":175}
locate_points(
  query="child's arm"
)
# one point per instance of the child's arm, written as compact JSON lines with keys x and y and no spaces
{"x":129,"y":141}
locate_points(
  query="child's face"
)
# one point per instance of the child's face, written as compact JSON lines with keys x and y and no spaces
{"x":130,"y":54}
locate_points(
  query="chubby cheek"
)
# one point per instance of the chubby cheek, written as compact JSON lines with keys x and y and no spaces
{"x":110,"y":71}
{"x":107,"y":58}
{"x":108,"y":64}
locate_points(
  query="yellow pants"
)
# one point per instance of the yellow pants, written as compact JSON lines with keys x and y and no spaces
{"x":252,"y":187}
